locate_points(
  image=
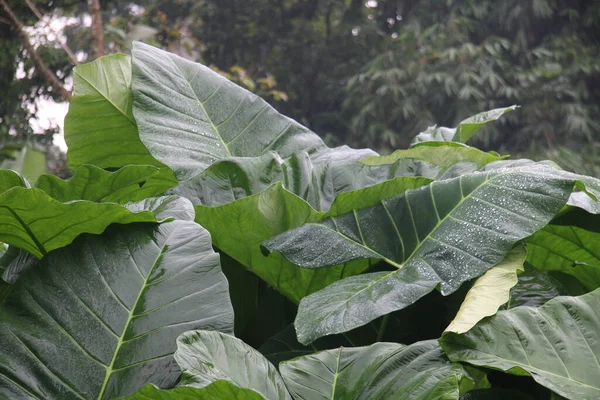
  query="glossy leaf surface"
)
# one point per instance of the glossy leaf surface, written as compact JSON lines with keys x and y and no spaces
{"x":379,"y":371}
{"x":206,"y":357}
{"x":441,"y":234}
{"x":100,"y":129}
{"x":114,"y":304}
{"x":95,"y":184}
{"x":465,"y":129}
{"x":571,"y":245}
{"x":190,"y":117}
{"x":444,"y":155}
{"x":253,"y":219}
{"x":37,"y":223}
{"x":535,"y":288}
{"x":557,"y":344}
{"x":489,"y":291}
{"x":218,"y":390}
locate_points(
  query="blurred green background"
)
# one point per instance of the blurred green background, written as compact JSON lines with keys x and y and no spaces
{"x":367,"y":73}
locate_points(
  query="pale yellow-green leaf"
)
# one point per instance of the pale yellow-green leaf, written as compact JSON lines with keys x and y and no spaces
{"x":489,"y":292}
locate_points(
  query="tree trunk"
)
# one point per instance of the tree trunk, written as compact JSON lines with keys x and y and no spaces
{"x":97,"y":28}
{"x":57,"y":85}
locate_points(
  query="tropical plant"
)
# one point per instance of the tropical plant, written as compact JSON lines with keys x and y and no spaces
{"x":197,"y":212}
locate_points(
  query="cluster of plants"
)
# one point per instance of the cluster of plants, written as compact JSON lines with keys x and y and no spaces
{"x":208,"y":247}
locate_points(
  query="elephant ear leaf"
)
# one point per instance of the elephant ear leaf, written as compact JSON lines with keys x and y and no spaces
{"x":115,"y":303}
{"x":442,"y":234}
{"x":219,"y":390}
{"x":211,"y":118}
{"x":465,"y":129}
{"x":489,"y":291}
{"x":557,"y":344}
{"x":206,"y":357}
{"x":379,"y":371}
{"x":100,"y":129}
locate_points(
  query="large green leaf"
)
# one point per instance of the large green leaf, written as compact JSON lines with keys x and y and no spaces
{"x":253,"y":219}
{"x":164,"y":208}
{"x":442,"y":234}
{"x":489,"y":291}
{"x":535,"y":288}
{"x":557,"y":344}
{"x":318,"y":179}
{"x":218,"y":390}
{"x":95,"y":184}
{"x":37,"y":223}
{"x":206,"y":357}
{"x":571,"y":245}
{"x":189,"y":116}
{"x":10,"y":179}
{"x":100,"y":129}
{"x":379,"y":371}
{"x":465,"y":129}
{"x":99,"y":319}
{"x":442,"y":154}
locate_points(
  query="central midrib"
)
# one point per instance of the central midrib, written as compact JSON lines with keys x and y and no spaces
{"x":110,"y":367}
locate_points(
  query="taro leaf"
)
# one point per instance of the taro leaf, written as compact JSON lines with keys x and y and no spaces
{"x":10,"y":179}
{"x":189,"y":116}
{"x":557,"y":344}
{"x":114,"y":304}
{"x":218,"y":390}
{"x":535,"y":288}
{"x":442,"y":234}
{"x":17,"y":266}
{"x":239,"y":227}
{"x":206,"y":357}
{"x":95,"y":184}
{"x":317,"y":178}
{"x":165,"y":207}
{"x":37,"y":223}
{"x":442,"y":154}
{"x":99,"y":127}
{"x":586,"y":202}
{"x":489,"y":291}
{"x":571,"y":244}
{"x":380,"y":371}
{"x":465,"y":129}
{"x":473,"y":378}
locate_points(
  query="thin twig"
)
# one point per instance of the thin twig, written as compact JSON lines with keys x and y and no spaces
{"x":57,"y":85}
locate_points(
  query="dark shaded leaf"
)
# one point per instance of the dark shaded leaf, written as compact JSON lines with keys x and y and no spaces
{"x":380,"y":371}
{"x":115,"y":305}
{"x":206,"y":357}
{"x":557,"y":344}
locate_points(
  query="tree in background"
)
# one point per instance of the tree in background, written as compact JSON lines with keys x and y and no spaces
{"x":450,"y":59}
{"x":370,"y":73}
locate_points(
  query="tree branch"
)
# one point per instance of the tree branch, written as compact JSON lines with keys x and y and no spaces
{"x":97,"y":28}
{"x":57,"y":85}
{"x":64,"y":46}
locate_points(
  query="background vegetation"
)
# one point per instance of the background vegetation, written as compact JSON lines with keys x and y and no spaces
{"x":366,"y":73}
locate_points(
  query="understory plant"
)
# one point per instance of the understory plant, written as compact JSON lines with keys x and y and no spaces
{"x":208,"y":247}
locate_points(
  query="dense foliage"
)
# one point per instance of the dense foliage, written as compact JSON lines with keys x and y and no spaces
{"x":364,"y":73}
{"x":200,"y":223}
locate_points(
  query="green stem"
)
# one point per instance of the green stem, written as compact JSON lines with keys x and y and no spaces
{"x":383,"y":327}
